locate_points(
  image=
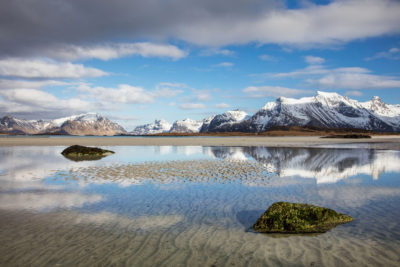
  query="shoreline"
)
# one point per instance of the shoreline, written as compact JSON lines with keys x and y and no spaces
{"x":376,"y":142}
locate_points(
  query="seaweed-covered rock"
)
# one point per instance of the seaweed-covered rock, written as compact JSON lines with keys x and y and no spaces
{"x":296,"y":218}
{"x":80,"y":153}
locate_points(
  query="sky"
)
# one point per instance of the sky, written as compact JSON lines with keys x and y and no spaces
{"x":136,"y":61}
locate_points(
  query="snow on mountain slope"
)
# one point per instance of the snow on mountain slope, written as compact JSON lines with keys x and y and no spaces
{"x":206,"y":123}
{"x":327,"y":110}
{"x":13,"y":125}
{"x":223,"y":121}
{"x":385,"y":112}
{"x":83,"y":124}
{"x":158,"y":126}
{"x":186,"y":126}
{"x":90,"y":124}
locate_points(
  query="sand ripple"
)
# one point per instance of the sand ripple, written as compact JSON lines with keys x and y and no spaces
{"x":194,"y":171}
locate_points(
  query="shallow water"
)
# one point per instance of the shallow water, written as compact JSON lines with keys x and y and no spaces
{"x":194,"y":206}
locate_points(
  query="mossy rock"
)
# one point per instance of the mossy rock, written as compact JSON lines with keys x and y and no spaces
{"x":296,"y":218}
{"x":81,"y":153}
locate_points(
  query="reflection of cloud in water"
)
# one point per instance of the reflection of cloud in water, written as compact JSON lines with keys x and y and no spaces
{"x":189,"y":150}
{"x":45,"y":200}
{"x":163,"y":150}
{"x":229,"y":153}
{"x":324,"y":165}
{"x":355,"y":196}
{"x":24,"y":167}
{"x":135,"y":223}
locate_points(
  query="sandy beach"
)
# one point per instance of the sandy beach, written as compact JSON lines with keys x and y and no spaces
{"x":376,"y":142}
{"x":195,"y":206}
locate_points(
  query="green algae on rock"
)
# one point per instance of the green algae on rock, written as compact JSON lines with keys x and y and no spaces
{"x":296,"y":218}
{"x":81,"y":153}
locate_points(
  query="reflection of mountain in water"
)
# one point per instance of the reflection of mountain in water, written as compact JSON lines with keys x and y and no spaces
{"x":324,"y":165}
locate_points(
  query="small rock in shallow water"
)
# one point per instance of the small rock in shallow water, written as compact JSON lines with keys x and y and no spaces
{"x":80,"y":153}
{"x":296,"y":218}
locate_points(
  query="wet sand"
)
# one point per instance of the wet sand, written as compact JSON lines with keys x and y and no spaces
{"x":190,"y":213}
{"x":376,"y":142}
{"x":98,"y":239}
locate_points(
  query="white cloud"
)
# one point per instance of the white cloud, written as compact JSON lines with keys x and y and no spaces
{"x":355,"y":81}
{"x":309,"y":70}
{"x":31,"y":101}
{"x":393,"y":53}
{"x":272,"y":91}
{"x":336,"y":22}
{"x":352,"y":78}
{"x":166,"y":92}
{"x":203,"y":96}
{"x":216,"y":52}
{"x":315,"y":70}
{"x":314,"y":60}
{"x":222,"y":105}
{"x":118,"y":50}
{"x":178,"y":85}
{"x":35,"y":68}
{"x":354,"y":93}
{"x":30,"y":28}
{"x":125,"y":94}
{"x":169,"y":89}
{"x":267,"y":57}
{"x":224,"y":64}
{"x":192,"y":106}
{"x":197,"y":96}
{"x":23,"y":84}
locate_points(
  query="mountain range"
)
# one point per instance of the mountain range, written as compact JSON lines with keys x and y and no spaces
{"x":83,"y":124}
{"x":324,"y":110}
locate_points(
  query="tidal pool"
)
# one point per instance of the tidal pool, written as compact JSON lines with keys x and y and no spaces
{"x":195,"y":206}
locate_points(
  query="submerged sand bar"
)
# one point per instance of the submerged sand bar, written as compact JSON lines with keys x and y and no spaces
{"x":377,"y":142}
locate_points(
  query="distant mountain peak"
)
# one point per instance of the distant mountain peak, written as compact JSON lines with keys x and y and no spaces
{"x":81,"y":124}
{"x":186,"y":126}
{"x":376,"y":99}
{"x":324,"y":110}
{"x":158,"y":126}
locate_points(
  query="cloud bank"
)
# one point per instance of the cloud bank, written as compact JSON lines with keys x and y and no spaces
{"x":42,"y":27}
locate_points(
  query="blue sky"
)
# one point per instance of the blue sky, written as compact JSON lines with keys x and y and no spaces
{"x":135,"y":62}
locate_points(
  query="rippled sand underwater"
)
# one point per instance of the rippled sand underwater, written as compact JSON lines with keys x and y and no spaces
{"x":194,"y":206}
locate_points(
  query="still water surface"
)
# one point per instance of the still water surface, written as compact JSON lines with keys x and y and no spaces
{"x":194,"y":206}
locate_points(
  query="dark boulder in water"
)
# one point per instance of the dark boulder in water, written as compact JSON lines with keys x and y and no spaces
{"x":81,"y":153}
{"x":296,"y":218}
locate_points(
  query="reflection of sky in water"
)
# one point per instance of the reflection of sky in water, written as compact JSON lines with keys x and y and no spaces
{"x":32,"y":179}
{"x":360,"y":182}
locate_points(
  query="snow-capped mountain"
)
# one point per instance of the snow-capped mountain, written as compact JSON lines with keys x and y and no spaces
{"x":158,"y":126}
{"x":206,"y":123}
{"x":325,"y":110}
{"x":83,"y":124}
{"x":224,"y":121}
{"x":9,"y":124}
{"x":186,"y":126}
